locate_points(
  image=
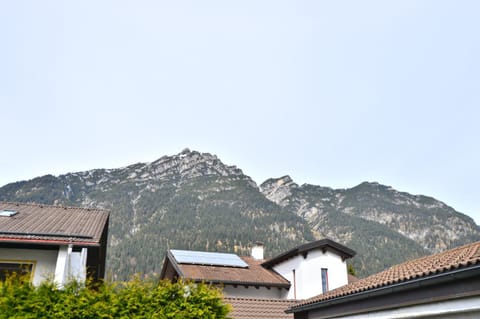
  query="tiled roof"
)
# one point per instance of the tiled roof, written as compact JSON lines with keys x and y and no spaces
{"x":52,"y":224}
{"x":444,"y":262}
{"x":255,"y":274}
{"x":249,"y":308}
{"x":352,"y":279}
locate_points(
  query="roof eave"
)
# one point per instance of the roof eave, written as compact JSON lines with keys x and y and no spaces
{"x":244,"y":283}
{"x":326,"y":244}
{"x":170,"y":259}
{"x":49,"y":242}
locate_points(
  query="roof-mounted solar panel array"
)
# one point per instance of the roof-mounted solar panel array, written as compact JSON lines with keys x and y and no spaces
{"x":206,"y":258}
{"x":7,"y":213}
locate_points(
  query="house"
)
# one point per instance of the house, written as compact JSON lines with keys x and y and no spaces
{"x":444,"y":285}
{"x":53,"y":242}
{"x":299,"y":273}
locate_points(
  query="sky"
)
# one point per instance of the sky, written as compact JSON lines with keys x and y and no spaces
{"x":332,"y":93}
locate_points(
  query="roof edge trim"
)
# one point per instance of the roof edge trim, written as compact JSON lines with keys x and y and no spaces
{"x":325,"y":243}
{"x":384,"y":290}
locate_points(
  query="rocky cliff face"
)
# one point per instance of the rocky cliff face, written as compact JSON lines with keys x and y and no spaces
{"x":193,"y":201}
{"x":429,"y":222}
{"x":374,"y":219}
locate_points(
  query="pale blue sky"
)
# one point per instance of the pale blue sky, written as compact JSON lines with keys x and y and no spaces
{"x":330,"y":92}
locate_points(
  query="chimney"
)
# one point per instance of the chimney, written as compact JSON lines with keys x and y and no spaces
{"x":257,"y":251}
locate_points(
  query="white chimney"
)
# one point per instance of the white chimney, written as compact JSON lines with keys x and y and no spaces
{"x":257,"y":251}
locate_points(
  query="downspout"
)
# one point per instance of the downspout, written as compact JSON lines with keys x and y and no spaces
{"x":294,"y":285}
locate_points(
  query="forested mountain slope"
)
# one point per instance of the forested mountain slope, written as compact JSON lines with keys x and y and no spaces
{"x":384,"y":225}
{"x":193,"y":201}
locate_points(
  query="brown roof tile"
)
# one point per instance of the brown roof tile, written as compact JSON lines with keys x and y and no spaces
{"x":255,"y":274}
{"x":35,"y":222}
{"x":249,"y":308}
{"x":352,"y":279}
{"x":418,"y":268}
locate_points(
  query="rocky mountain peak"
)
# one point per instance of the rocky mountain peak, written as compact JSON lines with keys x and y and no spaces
{"x":372,"y":186}
{"x":278,"y":189}
{"x":186,"y":150}
{"x":190,"y":164}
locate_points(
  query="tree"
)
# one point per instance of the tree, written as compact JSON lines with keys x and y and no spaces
{"x":351,"y":270}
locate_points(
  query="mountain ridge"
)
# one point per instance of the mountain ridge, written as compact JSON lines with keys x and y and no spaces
{"x":192,"y":200}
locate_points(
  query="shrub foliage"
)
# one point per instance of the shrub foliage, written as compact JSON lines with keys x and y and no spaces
{"x":132,"y":299}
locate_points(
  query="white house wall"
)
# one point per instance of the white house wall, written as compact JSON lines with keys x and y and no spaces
{"x":78,"y":264}
{"x":308,"y":275}
{"x":70,"y":265}
{"x":44,"y":261}
{"x":252,"y":292}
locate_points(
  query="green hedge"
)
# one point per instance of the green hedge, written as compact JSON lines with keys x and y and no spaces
{"x":133,"y":299}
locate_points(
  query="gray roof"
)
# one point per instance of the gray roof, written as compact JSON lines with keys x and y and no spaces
{"x":46,"y":224}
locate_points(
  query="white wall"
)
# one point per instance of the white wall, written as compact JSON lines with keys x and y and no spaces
{"x":60,"y":264}
{"x":44,"y":261}
{"x":308,"y":275}
{"x":252,"y":292}
{"x":70,"y":265}
{"x":78,"y":264}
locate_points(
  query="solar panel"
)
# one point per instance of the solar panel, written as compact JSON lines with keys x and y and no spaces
{"x":7,"y":213}
{"x":205,"y":258}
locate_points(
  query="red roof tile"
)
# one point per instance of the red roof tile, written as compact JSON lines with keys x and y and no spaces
{"x":352,"y":279}
{"x":418,"y":268}
{"x":34,"y":222}
{"x":249,"y":308}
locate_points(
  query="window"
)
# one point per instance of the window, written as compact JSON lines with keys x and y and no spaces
{"x":294,"y":285}
{"x":19,"y":267}
{"x":324,"y":280}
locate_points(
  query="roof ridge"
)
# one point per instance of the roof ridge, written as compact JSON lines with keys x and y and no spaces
{"x":304,"y":248}
{"x":53,"y":206}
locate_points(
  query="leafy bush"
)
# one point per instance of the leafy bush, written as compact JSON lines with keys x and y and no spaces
{"x":133,"y":299}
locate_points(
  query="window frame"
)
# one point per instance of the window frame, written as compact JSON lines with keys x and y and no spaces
{"x":31,"y":264}
{"x":324,"y":272}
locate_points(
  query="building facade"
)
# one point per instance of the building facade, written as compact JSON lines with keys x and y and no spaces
{"x":444,"y":285}
{"x":302,"y":272}
{"x":52,"y":242}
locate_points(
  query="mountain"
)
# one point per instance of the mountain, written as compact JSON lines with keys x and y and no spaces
{"x":385,"y":226}
{"x":193,"y":201}
{"x":187,"y":201}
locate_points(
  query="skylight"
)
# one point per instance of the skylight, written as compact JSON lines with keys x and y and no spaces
{"x":7,"y":213}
